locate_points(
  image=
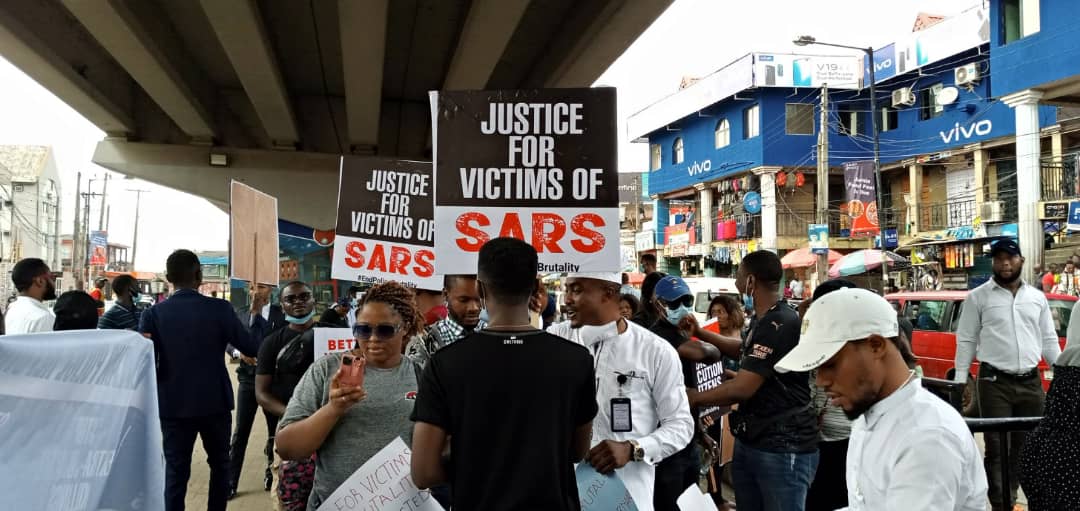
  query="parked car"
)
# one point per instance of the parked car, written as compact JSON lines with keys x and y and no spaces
{"x":935,"y":314}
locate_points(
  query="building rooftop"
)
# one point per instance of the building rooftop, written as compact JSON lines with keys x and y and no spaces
{"x":23,"y":161}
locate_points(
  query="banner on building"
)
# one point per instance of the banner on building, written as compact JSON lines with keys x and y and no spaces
{"x":383,"y":482}
{"x":385,"y":223}
{"x":538,"y":165}
{"x":861,"y":198}
{"x":1074,"y":216}
{"x":253,"y":235}
{"x":333,"y":340}
{"x":787,"y":70}
{"x":645,"y":241}
{"x":79,"y":424}
{"x":99,"y":245}
{"x":678,"y":238}
{"x":819,"y":238}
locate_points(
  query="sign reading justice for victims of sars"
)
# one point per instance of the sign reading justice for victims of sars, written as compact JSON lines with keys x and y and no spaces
{"x":385,"y":229}
{"x":537,"y":165}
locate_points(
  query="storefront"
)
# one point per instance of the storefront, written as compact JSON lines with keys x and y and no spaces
{"x":957,"y":258}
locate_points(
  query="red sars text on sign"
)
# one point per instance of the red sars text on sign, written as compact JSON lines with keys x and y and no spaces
{"x":547,"y":232}
{"x":389,"y":258}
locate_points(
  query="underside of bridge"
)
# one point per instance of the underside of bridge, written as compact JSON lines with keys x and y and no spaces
{"x":282,"y":87}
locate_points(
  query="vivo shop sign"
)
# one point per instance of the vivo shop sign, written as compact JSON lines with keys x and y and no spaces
{"x":960,"y":133}
{"x":699,"y":168}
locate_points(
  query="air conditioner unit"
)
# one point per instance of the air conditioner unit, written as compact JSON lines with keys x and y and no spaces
{"x":903,"y":97}
{"x":991,"y":211}
{"x":966,"y":74}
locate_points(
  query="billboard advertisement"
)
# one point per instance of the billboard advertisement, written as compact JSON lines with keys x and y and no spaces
{"x":787,"y":70}
{"x":99,"y":241}
{"x":861,"y":197}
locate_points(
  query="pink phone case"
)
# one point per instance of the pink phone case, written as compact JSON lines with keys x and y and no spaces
{"x":352,"y":374}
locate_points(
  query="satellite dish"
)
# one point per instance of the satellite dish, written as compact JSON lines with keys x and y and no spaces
{"x":948,"y":95}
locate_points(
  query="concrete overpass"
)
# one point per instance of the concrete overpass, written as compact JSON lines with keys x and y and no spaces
{"x":282,"y":87}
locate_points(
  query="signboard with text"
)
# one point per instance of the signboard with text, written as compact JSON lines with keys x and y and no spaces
{"x":99,"y":241}
{"x":537,"y":165}
{"x":382,"y":482}
{"x":861,"y":198}
{"x":385,"y":224}
{"x":333,"y":340}
{"x":788,"y":70}
{"x":819,"y":238}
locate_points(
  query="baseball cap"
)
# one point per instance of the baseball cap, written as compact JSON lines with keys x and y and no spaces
{"x":1009,"y":246}
{"x":615,"y":278}
{"x":672,"y":288}
{"x":835,"y":319}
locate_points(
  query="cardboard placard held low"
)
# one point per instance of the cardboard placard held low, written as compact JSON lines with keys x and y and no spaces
{"x":384,"y":482}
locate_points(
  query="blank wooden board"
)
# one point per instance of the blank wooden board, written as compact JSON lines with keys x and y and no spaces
{"x":254,"y":235}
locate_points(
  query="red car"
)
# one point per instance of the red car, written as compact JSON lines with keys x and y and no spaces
{"x":935,"y":314}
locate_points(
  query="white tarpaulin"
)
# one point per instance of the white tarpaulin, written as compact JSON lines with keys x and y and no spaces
{"x":79,"y":426}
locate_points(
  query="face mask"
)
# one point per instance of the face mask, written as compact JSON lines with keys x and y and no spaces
{"x":134,"y":296}
{"x":675,"y":316}
{"x":748,"y":301}
{"x":300,"y":321}
{"x":590,"y":334}
{"x":50,"y":292}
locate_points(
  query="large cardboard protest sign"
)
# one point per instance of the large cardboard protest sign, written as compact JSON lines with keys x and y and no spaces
{"x":333,"y":340}
{"x":253,"y":235}
{"x":599,"y":492}
{"x":384,"y":482}
{"x":538,"y":165}
{"x":79,"y":425}
{"x":385,"y":227}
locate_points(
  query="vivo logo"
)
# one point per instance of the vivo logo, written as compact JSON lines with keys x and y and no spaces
{"x":885,"y":64}
{"x":958,"y":133}
{"x":699,"y":168}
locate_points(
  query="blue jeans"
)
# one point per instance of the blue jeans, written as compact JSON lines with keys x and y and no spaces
{"x":770,"y":481}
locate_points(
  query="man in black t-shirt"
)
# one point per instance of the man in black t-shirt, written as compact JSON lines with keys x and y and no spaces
{"x":674,"y":301}
{"x":285,"y":356}
{"x":516,"y":428}
{"x":775,"y":428}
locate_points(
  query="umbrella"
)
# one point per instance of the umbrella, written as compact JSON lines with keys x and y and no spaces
{"x":803,"y":258}
{"x":863,"y":261}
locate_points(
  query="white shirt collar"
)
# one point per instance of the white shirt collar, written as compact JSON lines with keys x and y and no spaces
{"x":29,"y":299}
{"x":897,"y":398}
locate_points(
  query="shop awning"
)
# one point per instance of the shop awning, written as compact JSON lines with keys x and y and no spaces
{"x":929,"y":242}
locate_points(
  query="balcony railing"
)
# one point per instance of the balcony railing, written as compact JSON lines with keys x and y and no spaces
{"x":938,"y":216}
{"x":1059,"y":180}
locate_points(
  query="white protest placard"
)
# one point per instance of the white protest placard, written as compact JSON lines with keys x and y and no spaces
{"x":384,"y":482}
{"x":599,"y":492}
{"x":385,"y":226}
{"x":537,"y":165}
{"x":333,"y":340}
{"x":79,"y":426}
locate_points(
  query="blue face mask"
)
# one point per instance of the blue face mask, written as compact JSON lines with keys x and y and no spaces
{"x":748,"y":301}
{"x":675,"y":316}
{"x":134,"y":296}
{"x":300,"y":321}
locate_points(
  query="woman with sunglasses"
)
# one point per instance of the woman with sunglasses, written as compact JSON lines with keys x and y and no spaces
{"x":284,"y":357}
{"x":345,"y":425}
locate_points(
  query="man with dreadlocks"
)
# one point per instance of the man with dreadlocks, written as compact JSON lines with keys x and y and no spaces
{"x":346,"y":425}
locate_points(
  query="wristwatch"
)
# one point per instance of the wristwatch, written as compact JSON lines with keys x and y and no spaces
{"x":637,"y":452}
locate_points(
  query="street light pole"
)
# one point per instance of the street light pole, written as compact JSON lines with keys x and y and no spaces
{"x":808,"y":40}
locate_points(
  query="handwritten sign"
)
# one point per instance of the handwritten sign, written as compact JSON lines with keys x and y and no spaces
{"x":333,"y":340}
{"x":384,"y":482}
{"x":599,"y":492}
{"x":538,"y":165}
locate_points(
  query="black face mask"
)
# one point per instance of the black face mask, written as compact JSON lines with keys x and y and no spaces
{"x":50,"y":291}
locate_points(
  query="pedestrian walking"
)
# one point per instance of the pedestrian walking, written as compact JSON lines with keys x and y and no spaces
{"x":1007,"y":324}
{"x":909,"y":449}
{"x":525,"y":419}
{"x":190,"y":333}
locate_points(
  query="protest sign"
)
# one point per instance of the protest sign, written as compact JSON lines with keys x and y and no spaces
{"x":385,"y":227}
{"x":253,"y":235}
{"x":599,"y":492}
{"x":710,"y":376}
{"x":383,"y":482}
{"x":333,"y":340}
{"x":79,"y":424}
{"x":537,"y":165}
{"x":861,"y":197}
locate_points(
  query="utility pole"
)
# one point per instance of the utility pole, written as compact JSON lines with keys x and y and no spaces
{"x":823,"y":180}
{"x":101,"y":214}
{"x":135,"y":237}
{"x":75,"y":232}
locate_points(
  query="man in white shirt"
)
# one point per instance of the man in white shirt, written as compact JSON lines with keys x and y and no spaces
{"x":796,"y":288}
{"x":1008,"y":324}
{"x":909,"y":449}
{"x":632,"y":365}
{"x":35,"y":283}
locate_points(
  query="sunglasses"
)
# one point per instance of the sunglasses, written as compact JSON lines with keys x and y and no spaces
{"x":364,"y":332}
{"x":687,"y":301}
{"x":300,"y":298}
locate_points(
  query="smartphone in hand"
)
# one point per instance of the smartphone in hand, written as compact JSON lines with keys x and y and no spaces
{"x":352,"y":370}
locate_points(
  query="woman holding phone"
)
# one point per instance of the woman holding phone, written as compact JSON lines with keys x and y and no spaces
{"x":347,"y":408}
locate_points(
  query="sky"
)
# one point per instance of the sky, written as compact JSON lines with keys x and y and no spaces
{"x":691,"y":38}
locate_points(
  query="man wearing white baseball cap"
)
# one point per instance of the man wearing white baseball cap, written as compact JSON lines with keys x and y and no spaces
{"x":909,"y":449}
{"x":644,"y":412}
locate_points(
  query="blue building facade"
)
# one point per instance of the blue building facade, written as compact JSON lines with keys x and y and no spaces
{"x":749,"y":132}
